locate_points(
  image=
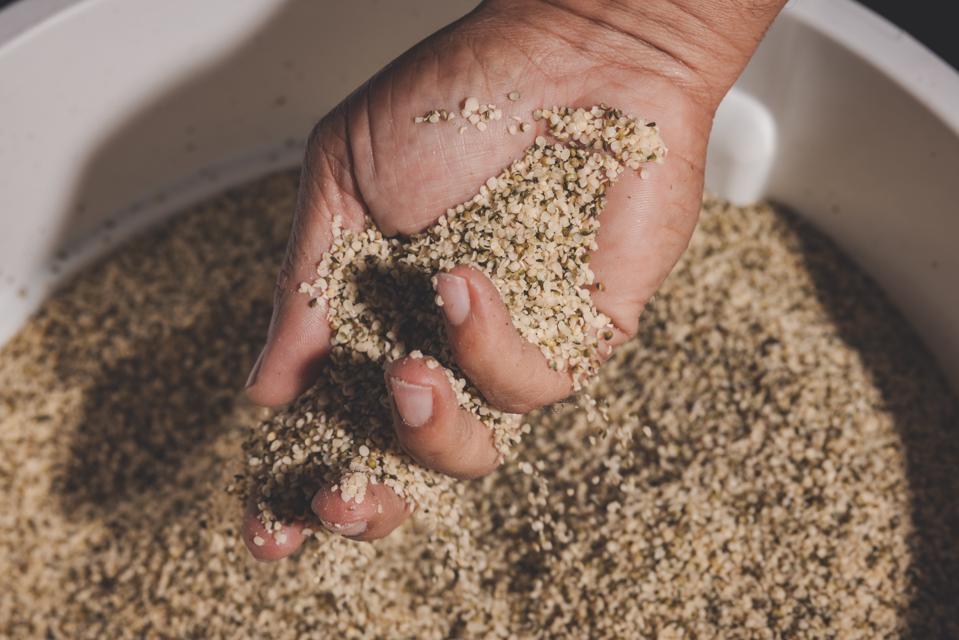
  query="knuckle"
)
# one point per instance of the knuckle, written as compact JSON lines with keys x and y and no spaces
{"x":314,"y":141}
{"x":628,"y":329}
{"x":509,"y":403}
{"x":321,"y":132}
{"x":468,"y":349}
{"x":529,"y":393}
{"x":522,"y":399}
{"x":426,"y":451}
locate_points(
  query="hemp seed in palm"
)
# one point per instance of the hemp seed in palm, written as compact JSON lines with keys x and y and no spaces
{"x":530,"y":229}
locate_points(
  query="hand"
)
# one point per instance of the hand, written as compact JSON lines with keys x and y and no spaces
{"x":367,"y":160}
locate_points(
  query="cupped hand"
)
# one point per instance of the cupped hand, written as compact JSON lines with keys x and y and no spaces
{"x":368,"y":161}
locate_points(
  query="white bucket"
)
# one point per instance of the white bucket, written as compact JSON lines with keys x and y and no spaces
{"x":116,"y":113}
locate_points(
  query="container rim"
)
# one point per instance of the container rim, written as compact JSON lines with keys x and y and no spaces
{"x":891,"y":50}
{"x":21,"y":18}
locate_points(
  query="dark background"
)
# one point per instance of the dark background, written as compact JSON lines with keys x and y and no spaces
{"x":929,"y":21}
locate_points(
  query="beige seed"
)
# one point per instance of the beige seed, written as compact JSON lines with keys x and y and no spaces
{"x":686,"y":535}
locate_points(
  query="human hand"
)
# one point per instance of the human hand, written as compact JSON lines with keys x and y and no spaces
{"x":368,"y":161}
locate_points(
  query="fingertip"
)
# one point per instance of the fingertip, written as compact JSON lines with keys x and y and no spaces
{"x":265,"y":546}
{"x":376,"y":516}
{"x":418,"y":371}
{"x":330,"y":507}
{"x":422,"y":398}
{"x":454,"y":290}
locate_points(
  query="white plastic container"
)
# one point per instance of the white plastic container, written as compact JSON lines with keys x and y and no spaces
{"x":116,"y":113}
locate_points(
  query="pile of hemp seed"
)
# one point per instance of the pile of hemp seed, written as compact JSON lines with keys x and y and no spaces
{"x":780,"y":462}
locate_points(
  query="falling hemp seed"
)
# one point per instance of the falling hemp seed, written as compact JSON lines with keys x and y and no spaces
{"x":530,"y":229}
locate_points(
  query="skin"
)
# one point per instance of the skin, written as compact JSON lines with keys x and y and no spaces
{"x":670,"y":61}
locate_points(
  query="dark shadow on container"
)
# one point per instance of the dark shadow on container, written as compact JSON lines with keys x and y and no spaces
{"x":926,"y":414}
{"x":149,"y":416}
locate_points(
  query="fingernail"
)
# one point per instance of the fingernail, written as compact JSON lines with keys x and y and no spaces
{"x":455,"y":294}
{"x":413,"y":402}
{"x":255,"y":371}
{"x":348,"y":529}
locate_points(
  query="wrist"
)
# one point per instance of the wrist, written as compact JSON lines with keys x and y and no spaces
{"x":701,"y":45}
